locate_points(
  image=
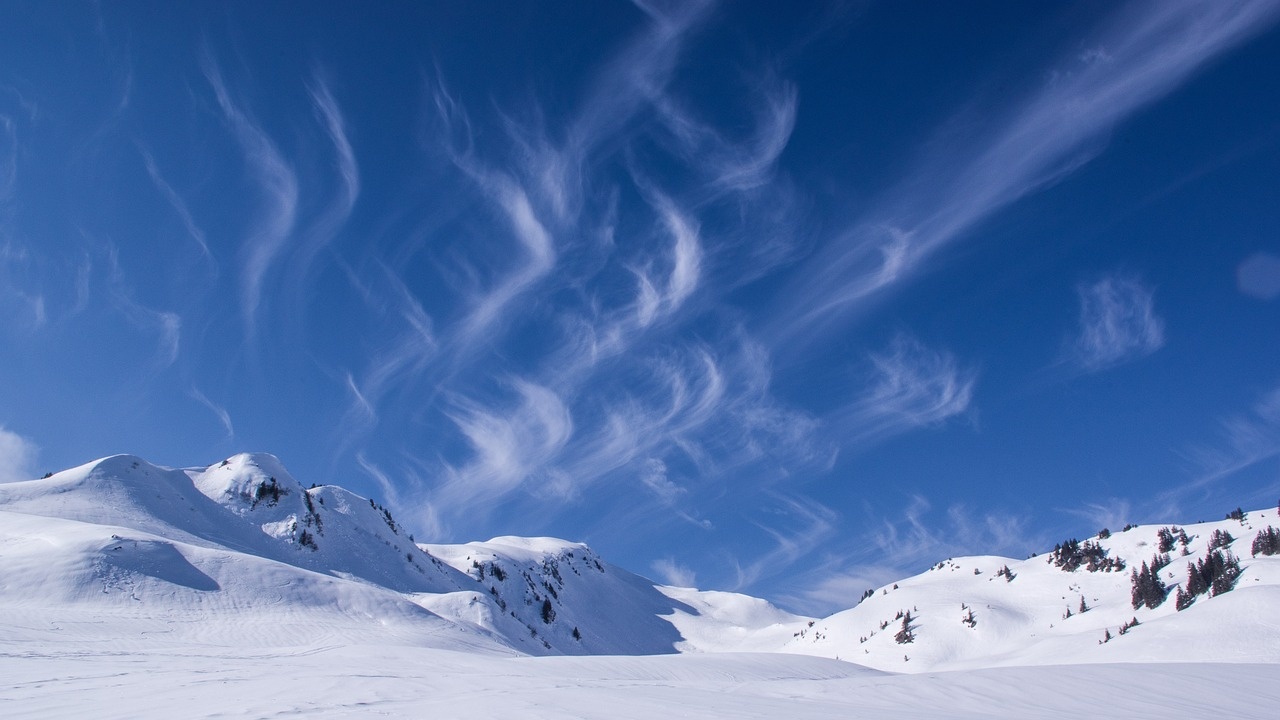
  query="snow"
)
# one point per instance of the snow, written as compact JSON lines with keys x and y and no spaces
{"x":130,"y":590}
{"x":165,"y":680}
{"x":1021,"y":622}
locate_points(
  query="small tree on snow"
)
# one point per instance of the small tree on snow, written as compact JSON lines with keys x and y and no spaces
{"x":904,"y":634}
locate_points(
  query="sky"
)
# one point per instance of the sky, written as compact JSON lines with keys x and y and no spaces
{"x":791,"y":300}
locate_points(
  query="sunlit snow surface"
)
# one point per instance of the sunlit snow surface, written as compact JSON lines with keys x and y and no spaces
{"x":153,"y":678}
{"x":128,"y":590}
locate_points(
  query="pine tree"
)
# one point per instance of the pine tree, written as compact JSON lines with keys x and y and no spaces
{"x":1267,"y":542}
{"x":1226,"y":573}
{"x":904,"y":634}
{"x":1147,"y":589}
{"x":548,"y":612}
{"x":1195,"y":579}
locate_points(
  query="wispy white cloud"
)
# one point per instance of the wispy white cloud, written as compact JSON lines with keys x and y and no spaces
{"x":17,"y":457}
{"x":685,"y":261}
{"x":895,"y":547}
{"x":1146,"y":51}
{"x":335,"y":125}
{"x":361,"y":414}
{"x":510,"y":445}
{"x":655,"y":477}
{"x":220,"y":412}
{"x":1245,"y":440}
{"x":18,"y":283}
{"x":390,"y":490}
{"x":634,"y":78}
{"x":1113,"y":513}
{"x":911,"y":386}
{"x":1118,"y":323}
{"x":673,"y":573}
{"x":321,"y":230}
{"x":176,"y":202}
{"x":678,"y":396}
{"x":736,"y":166}
{"x":809,"y":525}
{"x":274,"y":224}
{"x":166,"y":324}
{"x":394,"y":363}
{"x":540,"y":258}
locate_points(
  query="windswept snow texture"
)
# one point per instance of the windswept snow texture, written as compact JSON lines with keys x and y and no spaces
{"x":130,"y":590}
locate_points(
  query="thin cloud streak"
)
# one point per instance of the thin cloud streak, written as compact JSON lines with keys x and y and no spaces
{"x":279,"y":184}
{"x":321,"y":231}
{"x":390,"y":492}
{"x":397,"y":363}
{"x":1147,"y":51}
{"x":540,"y":258}
{"x":911,"y":386}
{"x":893,"y":548}
{"x":220,"y":412}
{"x":1245,"y":441}
{"x":815,"y":525}
{"x":176,"y":202}
{"x":166,"y":324}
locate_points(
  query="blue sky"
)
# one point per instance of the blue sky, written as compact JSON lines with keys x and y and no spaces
{"x":790,"y":302}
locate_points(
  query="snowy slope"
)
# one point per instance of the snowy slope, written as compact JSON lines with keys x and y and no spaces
{"x":712,"y":621}
{"x":248,"y":503}
{"x":324,"y":528}
{"x":243,"y":538}
{"x":964,"y":615}
{"x":164,"y":680}
{"x":130,"y":590}
{"x":563,"y":596}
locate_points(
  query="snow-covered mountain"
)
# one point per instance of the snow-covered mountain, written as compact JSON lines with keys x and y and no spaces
{"x":243,"y":537}
{"x":1076,"y":604}
{"x":176,"y":585}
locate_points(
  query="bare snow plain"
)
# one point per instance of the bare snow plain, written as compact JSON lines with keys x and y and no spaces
{"x":134,"y":591}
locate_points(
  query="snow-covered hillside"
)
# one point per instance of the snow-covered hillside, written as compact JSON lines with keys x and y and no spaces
{"x":163,"y":579}
{"x":1074,"y":605}
{"x":244,"y":539}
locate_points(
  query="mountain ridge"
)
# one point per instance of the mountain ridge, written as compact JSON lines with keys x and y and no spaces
{"x":166,"y":547}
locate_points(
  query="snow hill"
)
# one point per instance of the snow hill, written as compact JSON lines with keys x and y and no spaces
{"x":164,"y":550}
{"x":1072,"y":606}
{"x":130,"y":590}
{"x":242,"y":539}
